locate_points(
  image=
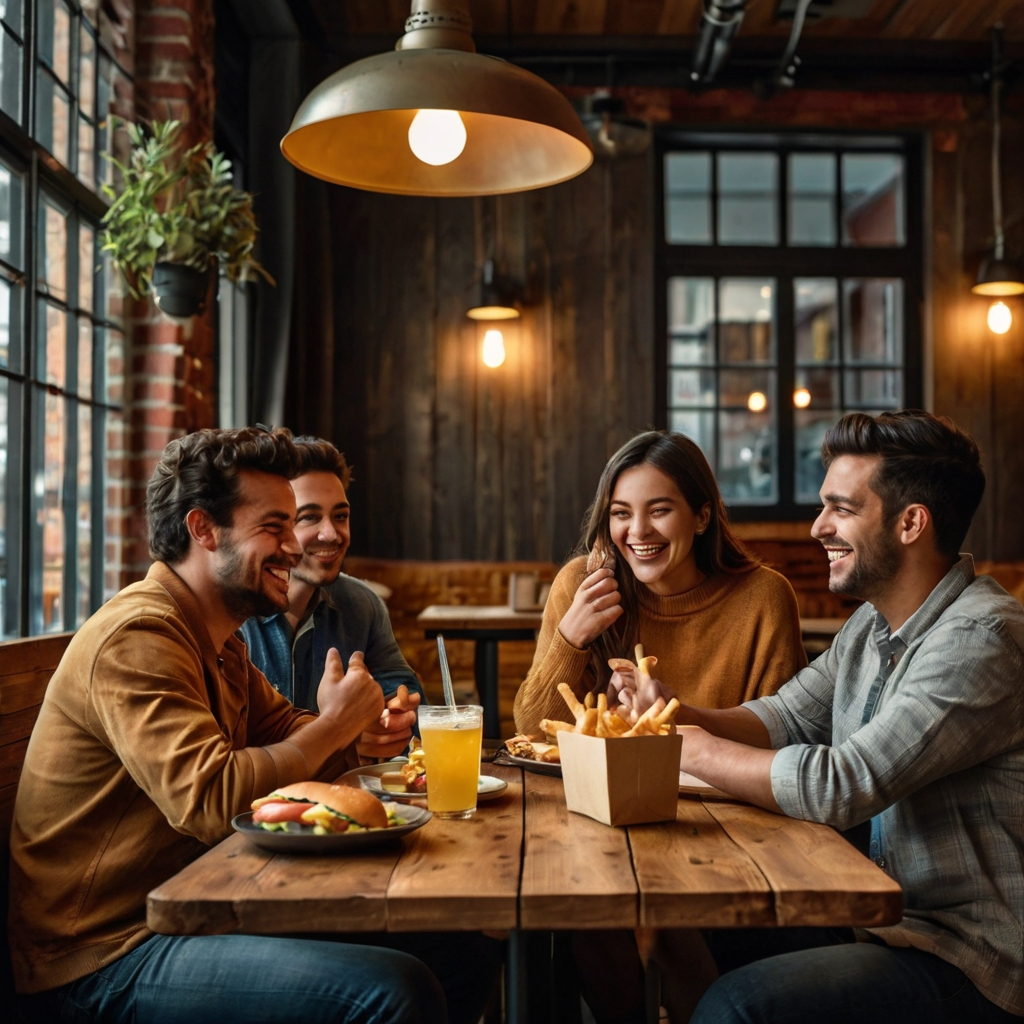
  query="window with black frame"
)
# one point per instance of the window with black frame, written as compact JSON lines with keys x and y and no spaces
{"x":61,"y":340}
{"x":790,"y":277}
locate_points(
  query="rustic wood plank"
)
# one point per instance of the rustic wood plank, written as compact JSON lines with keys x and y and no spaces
{"x":7,"y":795}
{"x":237,"y":887}
{"x":576,"y":872}
{"x":12,"y":757}
{"x":691,"y":874}
{"x":817,"y":877}
{"x":462,"y":875}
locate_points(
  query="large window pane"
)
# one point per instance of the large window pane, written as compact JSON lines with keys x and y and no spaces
{"x":53,"y":352}
{"x":11,"y":193}
{"x":53,"y":117}
{"x":87,"y":73}
{"x":748,"y":199}
{"x":114,"y":490}
{"x":874,"y":320}
{"x":85,"y":357}
{"x":691,"y":320}
{"x":810,"y":473}
{"x":691,"y":387}
{"x":11,"y":56}
{"x":11,"y":11}
{"x":47,"y":569}
{"x":812,"y":199}
{"x":873,"y":389}
{"x":8,"y":515}
{"x":746,"y":320}
{"x":54,"y":42}
{"x":688,"y":198}
{"x":816,"y":301}
{"x":697,"y":426}
{"x":86,"y":266}
{"x":54,"y":251}
{"x":747,"y":467}
{"x":114,"y":364}
{"x":83,"y":568}
{"x":873,"y":202}
{"x":86,"y":153}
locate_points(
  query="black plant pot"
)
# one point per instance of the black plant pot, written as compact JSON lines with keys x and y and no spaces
{"x":179,"y":290}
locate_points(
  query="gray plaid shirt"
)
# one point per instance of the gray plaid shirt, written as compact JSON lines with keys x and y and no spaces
{"x":923,"y":732}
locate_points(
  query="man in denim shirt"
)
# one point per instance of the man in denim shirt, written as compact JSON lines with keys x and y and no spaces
{"x":328,"y":609}
{"x":914,"y":721}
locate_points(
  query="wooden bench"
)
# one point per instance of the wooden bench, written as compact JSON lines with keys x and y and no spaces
{"x":25,"y":669}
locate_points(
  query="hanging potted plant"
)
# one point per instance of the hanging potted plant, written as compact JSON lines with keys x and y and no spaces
{"x":174,"y":217}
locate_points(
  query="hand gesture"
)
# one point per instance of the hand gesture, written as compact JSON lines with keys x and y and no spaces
{"x":390,"y":734}
{"x":595,"y":607}
{"x":632,"y":691}
{"x":353,"y":696}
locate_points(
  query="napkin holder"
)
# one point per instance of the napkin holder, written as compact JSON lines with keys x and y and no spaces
{"x":627,"y":780}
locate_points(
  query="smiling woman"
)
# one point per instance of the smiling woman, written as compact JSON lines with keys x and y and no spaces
{"x":659,"y":566}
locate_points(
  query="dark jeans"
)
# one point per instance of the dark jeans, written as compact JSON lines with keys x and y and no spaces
{"x":380,"y":979}
{"x":810,"y":975}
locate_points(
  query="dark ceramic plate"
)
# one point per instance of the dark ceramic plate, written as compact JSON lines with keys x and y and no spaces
{"x":340,"y":842}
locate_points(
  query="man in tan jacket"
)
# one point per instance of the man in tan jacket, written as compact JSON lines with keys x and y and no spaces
{"x":156,"y":730}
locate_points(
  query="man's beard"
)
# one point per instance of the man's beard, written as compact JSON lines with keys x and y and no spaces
{"x":244,"y":599}
{"x":873,"y":567}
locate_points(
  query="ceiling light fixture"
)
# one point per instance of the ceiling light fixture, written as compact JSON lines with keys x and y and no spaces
{"x":997,"y":275}
{"x":393,"y":122}
{"x":499,"y":297}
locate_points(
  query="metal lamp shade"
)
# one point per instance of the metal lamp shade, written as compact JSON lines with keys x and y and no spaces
{"x":352,"y":129}
{"x":998,"y":277}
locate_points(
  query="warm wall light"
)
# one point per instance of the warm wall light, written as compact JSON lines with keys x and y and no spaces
{"x":494,"y":348}
{"x":757,"y":401}
{"x":498,"y":296}
{"x":1000,"y":319}
{"x":801,"y":398}
{"x":354,"y":127}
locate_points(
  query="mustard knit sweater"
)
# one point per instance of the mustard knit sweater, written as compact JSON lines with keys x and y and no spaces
{"x":726,"y":641}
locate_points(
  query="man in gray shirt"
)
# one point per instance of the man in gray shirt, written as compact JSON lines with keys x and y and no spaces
{"x":912,"y":720}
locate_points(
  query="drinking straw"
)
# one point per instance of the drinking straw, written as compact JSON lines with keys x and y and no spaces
{"x":446,"y":675}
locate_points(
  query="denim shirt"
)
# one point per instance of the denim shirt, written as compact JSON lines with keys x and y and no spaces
{"x":348,"y":615}
{"x":922,"y":731}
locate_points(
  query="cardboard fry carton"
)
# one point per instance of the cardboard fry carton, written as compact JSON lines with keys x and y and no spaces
{"x":627,"y":780}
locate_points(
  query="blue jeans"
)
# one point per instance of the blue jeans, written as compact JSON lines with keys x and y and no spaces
{"x":254,"y":978}
{"x":825,"y":977}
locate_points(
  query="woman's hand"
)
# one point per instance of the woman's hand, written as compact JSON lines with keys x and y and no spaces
{"x":595,"y":607}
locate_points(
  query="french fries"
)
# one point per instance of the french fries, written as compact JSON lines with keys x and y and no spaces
{"x":594,"y":717}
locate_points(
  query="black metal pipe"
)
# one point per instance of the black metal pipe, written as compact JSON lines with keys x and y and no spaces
{"x":719,"y":23}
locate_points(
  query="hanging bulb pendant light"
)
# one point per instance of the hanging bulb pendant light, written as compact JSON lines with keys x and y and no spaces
{"x":436,"y":118}
{"x":997,"y":275}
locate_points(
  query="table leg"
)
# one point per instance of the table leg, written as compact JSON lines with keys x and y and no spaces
{"x":486,"y":670}
{"x":516,"y":1008}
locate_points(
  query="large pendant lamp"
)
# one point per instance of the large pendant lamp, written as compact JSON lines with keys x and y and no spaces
{"x":436,"y":118}
{"x":997,"y":276}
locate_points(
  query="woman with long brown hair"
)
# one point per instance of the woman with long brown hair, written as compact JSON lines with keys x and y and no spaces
{"x":666,"y":571}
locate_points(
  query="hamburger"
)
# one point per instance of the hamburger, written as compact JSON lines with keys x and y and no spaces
{"x":323,"y":807}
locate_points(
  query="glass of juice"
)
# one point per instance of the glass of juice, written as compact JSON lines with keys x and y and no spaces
{"x":451,"y":745}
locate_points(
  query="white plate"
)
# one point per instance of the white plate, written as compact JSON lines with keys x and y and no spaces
{"x":528,"y":764}
{"x":487,"y":787}
{"x":337,"y":842}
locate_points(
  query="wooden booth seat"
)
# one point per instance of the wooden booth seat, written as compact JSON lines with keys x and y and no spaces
{"x":25,"y":669}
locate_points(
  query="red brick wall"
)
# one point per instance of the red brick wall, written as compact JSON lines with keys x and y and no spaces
{"x":171,"y":383}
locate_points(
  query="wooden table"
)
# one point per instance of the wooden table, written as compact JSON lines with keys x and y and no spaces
{"x":487,"y":625}
{"x":523,"y":862}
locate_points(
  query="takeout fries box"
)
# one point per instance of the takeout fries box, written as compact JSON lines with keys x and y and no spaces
{"x":624,"y":780}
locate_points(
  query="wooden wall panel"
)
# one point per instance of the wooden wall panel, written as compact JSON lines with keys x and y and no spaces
{"x":453,"y":459}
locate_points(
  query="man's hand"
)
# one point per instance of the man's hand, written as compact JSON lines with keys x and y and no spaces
{"x":390,"y":734}
{"x":595,"y":607}
{"x":634,"y":693}
{"x":353,"y":697}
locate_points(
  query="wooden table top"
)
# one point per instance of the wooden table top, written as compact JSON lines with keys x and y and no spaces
{"x":719,"y":864}
{"x":476,"y":617}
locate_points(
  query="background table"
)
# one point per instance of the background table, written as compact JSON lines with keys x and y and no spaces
{"x":487,"y":625}
{"x":524,"y":862}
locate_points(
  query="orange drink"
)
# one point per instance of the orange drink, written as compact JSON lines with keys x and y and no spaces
{"x":451,"y":742}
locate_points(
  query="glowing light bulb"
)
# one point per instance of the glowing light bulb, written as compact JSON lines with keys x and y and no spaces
{"x":1000,"y":319}
{"x":437,"y":136}
{"x":801,"y":398}
{"x":757,"y":402}
{"x":494,"y":348}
